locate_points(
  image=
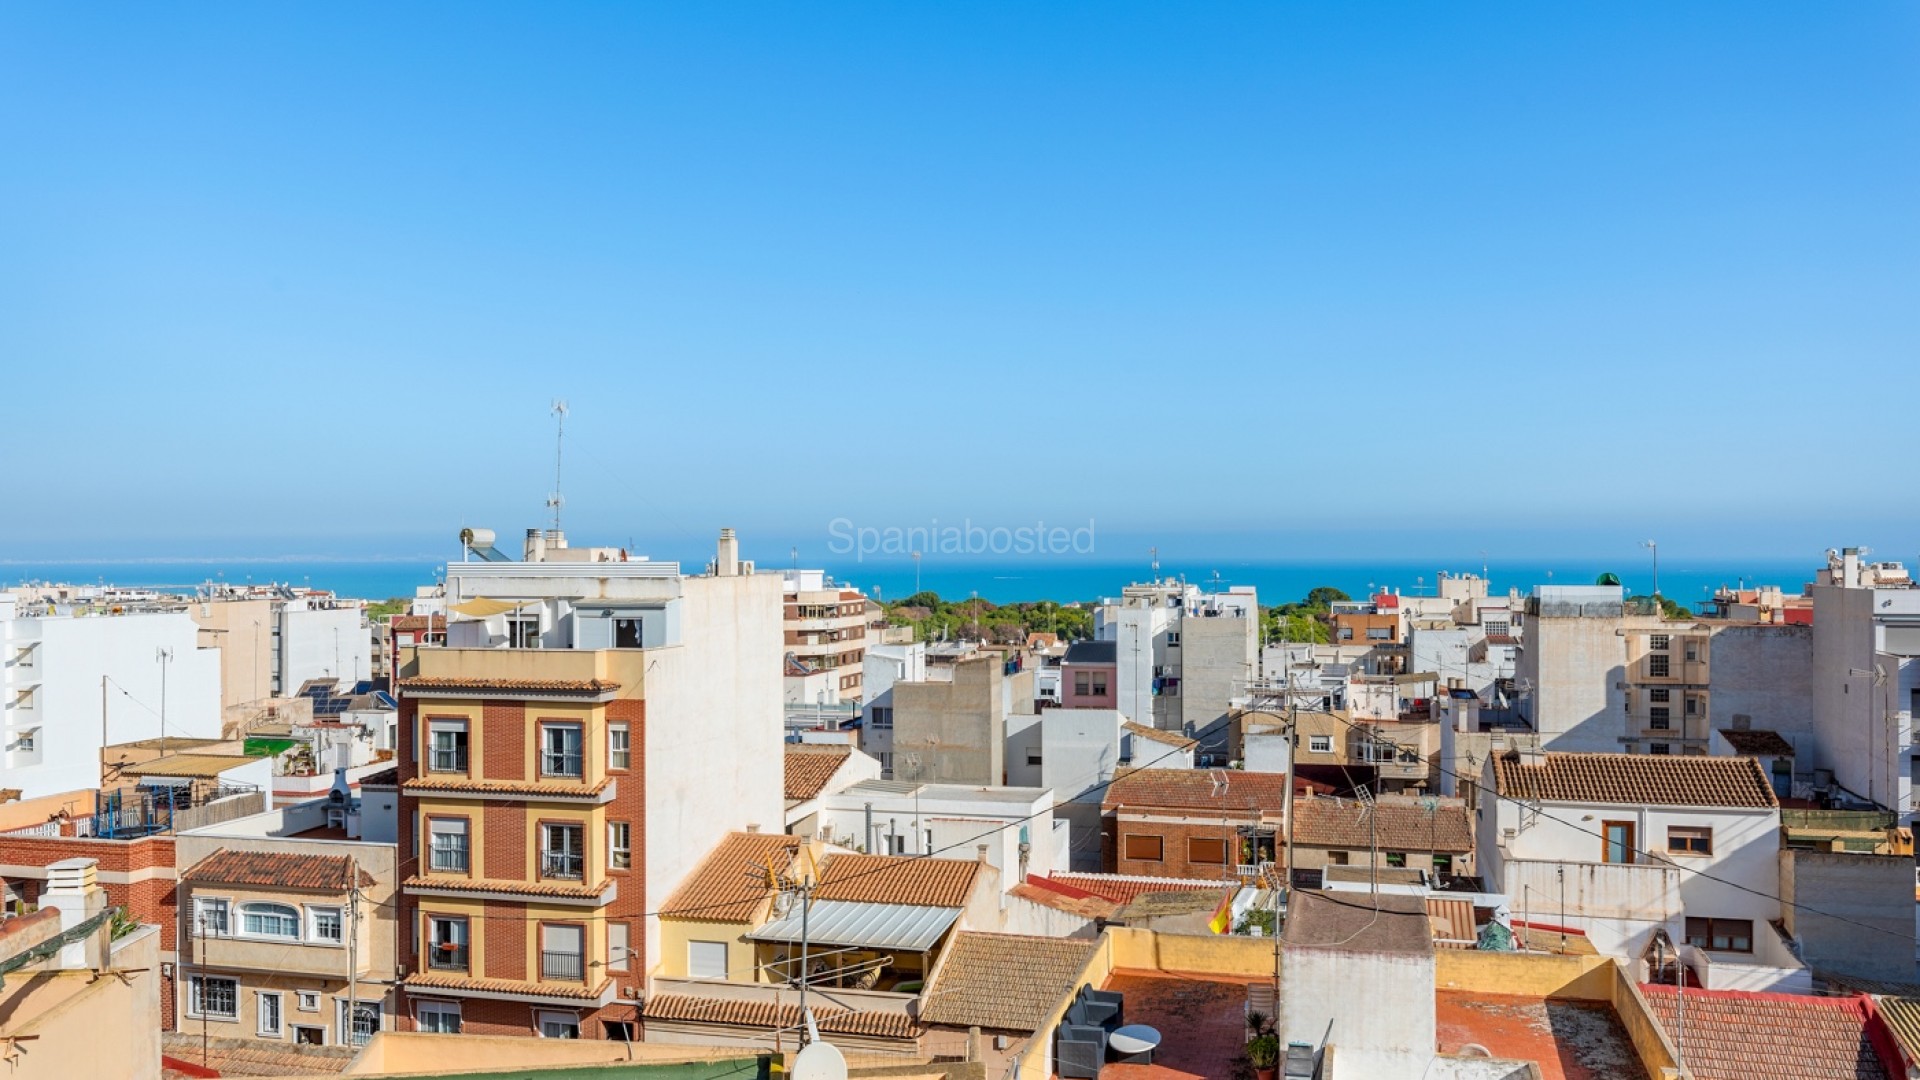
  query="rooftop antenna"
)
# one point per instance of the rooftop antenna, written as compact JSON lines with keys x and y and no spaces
{"x":554,"y":501}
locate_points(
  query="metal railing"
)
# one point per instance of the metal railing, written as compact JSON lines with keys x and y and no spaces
{"x":450,"y":859}
{"x":448,"y":761}
{"x":565,"y":966}
{"x":560,"y":764}
{"x":555,"y":864}
{"x":447,"y":956}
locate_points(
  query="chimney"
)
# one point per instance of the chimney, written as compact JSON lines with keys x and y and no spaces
{"x":1850,"y":568}
{"x":753,"y":826}
{"x":536,"y":550}
{"x":1531,"y":755}
{"x":72,"y":888}
{"x":728,"y":562}
{"x":982,"y":849}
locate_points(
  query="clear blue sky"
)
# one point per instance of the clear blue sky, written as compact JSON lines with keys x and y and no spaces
{"x":1253,"y":277}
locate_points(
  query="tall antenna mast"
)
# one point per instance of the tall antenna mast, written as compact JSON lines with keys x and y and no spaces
{"x":554,"y":501}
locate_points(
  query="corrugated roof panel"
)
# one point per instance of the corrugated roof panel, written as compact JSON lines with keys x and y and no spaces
{"x":853,"y":924}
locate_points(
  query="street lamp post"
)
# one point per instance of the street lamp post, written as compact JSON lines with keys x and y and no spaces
{"x":1655,"y":548}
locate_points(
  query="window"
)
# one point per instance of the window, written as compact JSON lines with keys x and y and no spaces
{"x":882,"y":717}
{"x":1660,"y":694}
{"x":270,"y":921}
{"x":1660,"y":748}
{"x":1443,"y":864}
{"x":560,"y":750}
{"x":707,"y":959}
{"x":563,"y":851}
{"x":1346,"y":633}
{"x":306,"y":1000}
{"x":210,"y":917}
{"x":1397,"y":859}
{"x":1209,"y":851}
{"x":308,"y":1035}
{"x":323,"y":925}
{"x":215,"y":999}
{"x":1099,"y":684}
{"x":1659,"y":642}
{"x":1379,"y":633}
{"x":557,"y":1025}
{"x":618,"y":1030}
{"x":626,"y":634}
{"x":358,"y":1022}
{"x":1660,"y":718}
{"x":26,"y":740}
{"x":619,"y":746}
{"x":1689,"y":840}
{"x":563,"y":951}
{"x":1658,"y":666}
{"x":1693,"y":652}
{"x":438,"y":1017}
{"x":1083,"y":683}
{"x":1495,"y":627}
{"x":1336,"y":858}
{"x":448,"y":739}
{"x":1173,"y":638}
{"x":448,"y":844}
{"x":1721,"y":935}
{"x":617,"y":948}
{"x":1693,"y":706}
{"x":523,"y":632}
{"x":1137,"y":846}
{"x":619,"y":845}
{"x":1033,"y":756}
{"x":1320,"y":744}
{"x":447,"y":943}
{"x":266,"y":1010}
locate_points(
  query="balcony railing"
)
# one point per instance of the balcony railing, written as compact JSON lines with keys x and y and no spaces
{"x":450,"y":860}
{"x":447,"y":956}
{"x":564,"y":966}
{"x":557,"y":865}
{"x":552,"y":764}
{"x":448,"y":761}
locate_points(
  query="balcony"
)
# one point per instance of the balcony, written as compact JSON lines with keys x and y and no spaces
{"x":567,"y":765}
{"x":563,"y":966}
{"x":562,"y":866}
{"x":1642,"y":891}
{"x":447,"y":956}
{"x":264,"y":954}
{"x":449,"y":860}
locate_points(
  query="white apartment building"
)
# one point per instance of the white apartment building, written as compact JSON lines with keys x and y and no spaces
{"x":1016,"y":825}
{"x":1866,"y":679}
{"x":1219,"y":658}
{"x":75,"y":681}
{"x":1144,"y":625}
{"x":826,"y":630}
{"x":1625,"y":846}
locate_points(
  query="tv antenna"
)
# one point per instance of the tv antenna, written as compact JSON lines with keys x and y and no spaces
{"x":554,"y":501}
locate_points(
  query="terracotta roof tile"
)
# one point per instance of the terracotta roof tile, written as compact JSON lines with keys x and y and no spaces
{"x":725,"y":887}
{"x":809,"y":768}
{"x":760,"y":1013}
{"x":1757,"y":742}
{"x":448,"y":682}
{"x":1007,"y":982}
{"x":323,"y":872}
{"x":440,"y":980}
{"x":897,"y":879}
{"x":1729,"y":1035}
{"x":1637,"y":779}
{"x":1398,"y":824}
{"x":558,"y":889}
{"x":556,"y":789}
{"x":1087,"y":907}
{"x":1119,"y":888}
{"x":383,"y":778}
{"x":1211,"y":790}
{"x":1165,"y":738}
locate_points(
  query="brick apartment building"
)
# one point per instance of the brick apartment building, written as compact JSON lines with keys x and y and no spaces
{"x":583,"y":738}
{"x":1212,"y":824}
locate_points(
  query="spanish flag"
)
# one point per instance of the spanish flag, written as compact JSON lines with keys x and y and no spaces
{"x":1222,"y":920}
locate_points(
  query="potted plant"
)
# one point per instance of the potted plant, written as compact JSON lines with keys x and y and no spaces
{"x":1263,"y":1051}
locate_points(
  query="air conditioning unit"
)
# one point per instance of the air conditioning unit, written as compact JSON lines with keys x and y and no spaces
{"x":1001,"y":1042}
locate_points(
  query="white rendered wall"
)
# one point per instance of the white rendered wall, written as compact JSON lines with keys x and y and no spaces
{"x":323,"y":644}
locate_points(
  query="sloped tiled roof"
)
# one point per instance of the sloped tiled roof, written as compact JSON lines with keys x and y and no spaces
{"x":271,"y":869}
{"x":1731,"y":1035}
{"x":543,"y":789}
{"x":1198,"y":789}
{"x":1119,"y":888}
{"x":1007,"y":982}
{"x":1087,"y":907}
{"x":810,"y":767}
{"x":564,"y":890}
{"x":726,"y":886}
{"x":760,"y":1013}
{"x":440,"y":980}
{"x":1398,"y":824}
{"x":1757,"y":742}
{"x":1166,"y":738}
{"x":897,"y":879}
{"x":1637,"y":779}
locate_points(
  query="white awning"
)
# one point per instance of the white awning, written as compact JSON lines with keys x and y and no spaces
{"x":848,"y":924}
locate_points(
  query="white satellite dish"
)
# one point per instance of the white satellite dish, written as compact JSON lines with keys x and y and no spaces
{"x":818,"y":1061}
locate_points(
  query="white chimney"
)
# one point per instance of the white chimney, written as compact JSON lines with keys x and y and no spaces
{"x":72,"y":889}
{"x":1850,"y":568}
{"x":728,"y":562}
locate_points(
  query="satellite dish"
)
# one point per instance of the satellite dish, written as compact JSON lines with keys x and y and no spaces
{"x":818,"y":1061}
